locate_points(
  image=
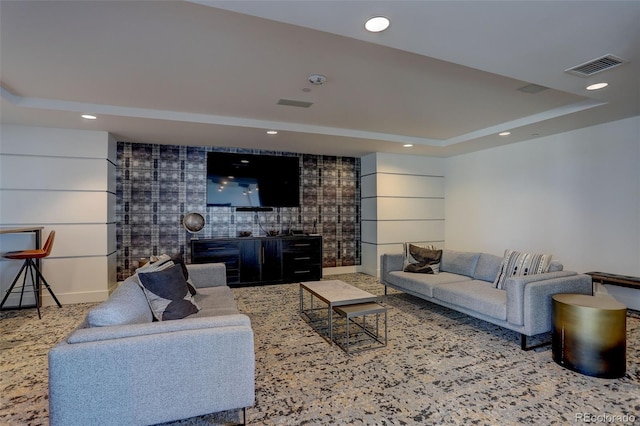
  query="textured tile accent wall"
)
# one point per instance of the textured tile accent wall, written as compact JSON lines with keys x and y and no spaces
{"x":158,"y":184}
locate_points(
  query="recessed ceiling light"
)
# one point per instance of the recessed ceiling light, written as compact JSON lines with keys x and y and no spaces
{"x":597,"y":86}
{"x":272,"y":132}
{"x":377,"y":24}
{"x":89,"y":116}
{"x":504,"y":133}
{"x":408,"y":145}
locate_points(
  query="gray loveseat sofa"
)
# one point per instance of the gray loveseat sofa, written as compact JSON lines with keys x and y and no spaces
{"x":465,"y":284}
{"x":121,"y":368}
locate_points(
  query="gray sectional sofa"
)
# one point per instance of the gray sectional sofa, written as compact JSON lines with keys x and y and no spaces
{"x":465,"y":284}
{"x":121,"y":368}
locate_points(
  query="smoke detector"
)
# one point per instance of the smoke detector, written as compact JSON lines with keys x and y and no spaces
{"x":317,"y":79}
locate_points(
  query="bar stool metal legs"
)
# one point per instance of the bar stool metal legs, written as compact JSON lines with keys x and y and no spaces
{"x":30,"y":268}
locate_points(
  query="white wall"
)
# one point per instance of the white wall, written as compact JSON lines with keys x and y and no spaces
{"x":575,"y":195}
{"x":402,"y":201}
{"x":63,"y":180}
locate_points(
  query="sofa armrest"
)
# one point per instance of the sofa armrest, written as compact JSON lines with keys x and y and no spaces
{"x":389,"y":263}
{"x":529,"y":297}
{"x":152,"y":378}
{"x":208,"y":274}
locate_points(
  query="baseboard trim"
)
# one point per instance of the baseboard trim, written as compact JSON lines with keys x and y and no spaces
{"x":73,"y":298}
{"x":341,"y":270}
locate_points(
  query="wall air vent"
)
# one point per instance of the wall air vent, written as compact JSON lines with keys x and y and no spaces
{"x":291,"y":102}
{"x":595,"y":66}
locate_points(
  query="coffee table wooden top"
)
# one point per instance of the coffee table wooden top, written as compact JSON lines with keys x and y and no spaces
{"x":337,"y":293}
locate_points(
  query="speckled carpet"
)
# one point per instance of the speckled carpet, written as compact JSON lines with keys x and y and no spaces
{"x":440,"y":367}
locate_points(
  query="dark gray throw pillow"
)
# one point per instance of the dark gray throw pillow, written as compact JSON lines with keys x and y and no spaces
{"x":178,"y":260}
{"x":427,"y":260}
{"x":167,"y":294}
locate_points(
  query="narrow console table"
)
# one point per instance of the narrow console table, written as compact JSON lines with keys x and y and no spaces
{"x":615,"y":279}
{"x":263,"y":260}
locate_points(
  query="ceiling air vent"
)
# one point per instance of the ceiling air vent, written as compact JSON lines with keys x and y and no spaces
{"x":597,"y":65}
{"x":532,"y":89}
{"x":291,"y":102}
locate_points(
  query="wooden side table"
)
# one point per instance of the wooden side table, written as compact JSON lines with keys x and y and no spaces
{"x":589,"y":334}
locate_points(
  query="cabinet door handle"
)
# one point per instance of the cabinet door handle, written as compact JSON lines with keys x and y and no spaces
{"x":262,"y":255}
{"x":215,"y":248}
{"x":301,"y":272}
{"x":302,"y":245}
{"x":302,"y":258}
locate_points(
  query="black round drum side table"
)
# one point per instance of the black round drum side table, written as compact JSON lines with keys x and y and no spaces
{"x":590,"y":334}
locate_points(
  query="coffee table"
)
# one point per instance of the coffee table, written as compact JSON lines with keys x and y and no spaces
{"x":333,"y":293}
{"x":351,"y":312}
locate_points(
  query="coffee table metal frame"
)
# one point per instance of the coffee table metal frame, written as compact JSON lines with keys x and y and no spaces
{"x":362,"y":310}
{"x":333,"y":293}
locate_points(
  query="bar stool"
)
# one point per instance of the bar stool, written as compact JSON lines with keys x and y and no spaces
{"x":29,"y":267}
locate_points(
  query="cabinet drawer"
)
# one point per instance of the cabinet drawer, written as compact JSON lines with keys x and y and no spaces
{"x":302,"y":245}
{"x":223,"y":248}
{"x":311,"y":273}
{"x":227,"y":252}
{"x":301,"y":258}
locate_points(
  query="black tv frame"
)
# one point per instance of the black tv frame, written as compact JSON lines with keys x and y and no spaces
{"x":260,"y":171}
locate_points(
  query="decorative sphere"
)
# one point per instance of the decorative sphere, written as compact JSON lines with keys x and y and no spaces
{"x":193,"y":222}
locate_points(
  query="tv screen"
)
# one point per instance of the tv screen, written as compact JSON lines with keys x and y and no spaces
{"x":252,"y":181}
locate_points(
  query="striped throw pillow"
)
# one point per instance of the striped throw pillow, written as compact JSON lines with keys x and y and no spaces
{"x":515,"y":264}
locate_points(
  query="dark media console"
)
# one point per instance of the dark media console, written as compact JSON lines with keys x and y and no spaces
{"x":263,"y":260}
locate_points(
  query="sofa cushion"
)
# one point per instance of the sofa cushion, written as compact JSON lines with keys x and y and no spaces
{"x":215,"y":301}
{"x":516,"y":264}
{"x":459,"y":262}
{"x":167,"y":293}
{"x":83,"y":335}
{"x":478,"y":296}
{"x":488,"y":267}
{"x":207,"y":274}
{"x":423,"y":260}
{"x":555,"y":266}
{"x":126,"y":305}
{"x":422,"y":284}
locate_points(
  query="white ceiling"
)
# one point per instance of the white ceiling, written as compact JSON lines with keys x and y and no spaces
{"x":443,"y":77}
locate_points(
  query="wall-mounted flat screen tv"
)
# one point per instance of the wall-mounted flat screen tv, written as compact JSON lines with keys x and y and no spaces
{"x":252,"y":181}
